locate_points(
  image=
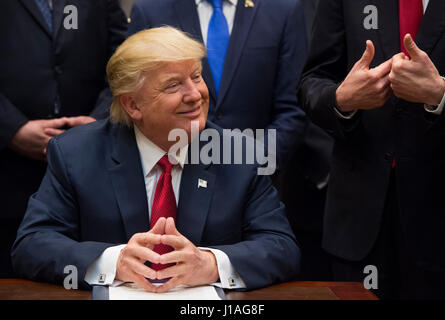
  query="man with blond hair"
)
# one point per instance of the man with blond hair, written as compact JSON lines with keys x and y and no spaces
{"x":115,"y":205}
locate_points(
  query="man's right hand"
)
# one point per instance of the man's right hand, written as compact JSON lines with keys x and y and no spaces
{"x":32,"y":138}
{"x":131,"y":262}
{"x":365,"y":88}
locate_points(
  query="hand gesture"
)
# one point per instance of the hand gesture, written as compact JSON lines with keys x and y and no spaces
{"x":365,"y":88}
{"x":139,"y":249}
{"x":416,"y":79}
{"x":192,"y":267}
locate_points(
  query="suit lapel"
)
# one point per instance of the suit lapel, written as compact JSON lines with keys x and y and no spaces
{"x":127,"y":179}
{"x":31,"y":6}
{"x":58,"y":15}
{"x":244,"y":17}
{"x":432,"y":26}
{"x":207,"y":74}
{"x":194,"y":201}
{"x":189,"y":22}
{"x":388,"y":27}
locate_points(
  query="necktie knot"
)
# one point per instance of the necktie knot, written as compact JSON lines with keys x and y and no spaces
{"x":217,"y":4}
{"x":165,"y":164}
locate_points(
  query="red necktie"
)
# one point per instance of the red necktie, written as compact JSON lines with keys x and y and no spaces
{"x":164,"y":205}
{"x":410,"y":17}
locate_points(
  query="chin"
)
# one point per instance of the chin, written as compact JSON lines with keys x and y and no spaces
{"x":202,"y":123}
{"x":191,"y":129}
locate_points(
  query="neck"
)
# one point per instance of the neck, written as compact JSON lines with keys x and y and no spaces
{"x":162,"y":140}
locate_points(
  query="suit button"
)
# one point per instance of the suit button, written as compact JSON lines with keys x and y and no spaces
{"x":389,"y":156}
{"x":58,"y":70}
{"x":218,"y":116}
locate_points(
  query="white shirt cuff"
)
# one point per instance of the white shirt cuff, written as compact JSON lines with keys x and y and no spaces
{"x":436,"y":109}
{"x":344,"y":115}
{"x":103,"y":270}
{"x":228,"y":277}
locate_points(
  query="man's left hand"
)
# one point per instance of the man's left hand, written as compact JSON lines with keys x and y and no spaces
{"x":193,"y":266}
{"x":416,"y":79}
{"x":70,"y":122}
{"x":77,"y":121}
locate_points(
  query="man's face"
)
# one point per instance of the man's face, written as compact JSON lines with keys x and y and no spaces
{"x":172,"y":96}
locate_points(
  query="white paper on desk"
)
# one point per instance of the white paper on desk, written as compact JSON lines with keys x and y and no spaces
{"x":130,"y":291}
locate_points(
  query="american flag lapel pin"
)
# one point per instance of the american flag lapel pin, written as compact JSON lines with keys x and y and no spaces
{"x":202,"y":183}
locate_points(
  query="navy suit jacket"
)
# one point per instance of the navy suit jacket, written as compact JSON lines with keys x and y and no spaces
{"x":36,"y":66}
{"x":93,"y":196}
{"x":264,"y":60}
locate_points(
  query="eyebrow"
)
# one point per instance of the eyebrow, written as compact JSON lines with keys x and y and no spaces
{"x":170,"y":78}
{"x":176,"y":76}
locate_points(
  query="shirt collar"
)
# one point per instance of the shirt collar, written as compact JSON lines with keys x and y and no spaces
{"x":232,"y":2}
{"x":151,"y":153}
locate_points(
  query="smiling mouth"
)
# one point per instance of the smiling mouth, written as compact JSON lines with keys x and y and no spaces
{"x":193,"y":113}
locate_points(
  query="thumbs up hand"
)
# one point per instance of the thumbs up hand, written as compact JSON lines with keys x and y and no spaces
{"x":365,"y":88}
{"x":416,"y":79}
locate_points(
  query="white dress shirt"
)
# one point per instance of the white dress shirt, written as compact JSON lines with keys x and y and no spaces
{"x":432,"y":109}
{"x":103,"y":270}
{"x":205,"y":11}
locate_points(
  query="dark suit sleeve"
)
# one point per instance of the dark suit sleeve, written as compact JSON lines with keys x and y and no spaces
{"x":325,"y":69}
{"x":288,"y":118}
{"x":117,"y":28}
{"x":268,"y":252}
{"x":11,"y":119}
{"x":47,"y":238}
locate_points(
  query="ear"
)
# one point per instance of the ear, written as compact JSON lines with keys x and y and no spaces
{"x":129,"y":104}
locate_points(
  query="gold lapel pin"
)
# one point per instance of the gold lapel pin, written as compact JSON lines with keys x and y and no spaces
{"x":249,"y":4}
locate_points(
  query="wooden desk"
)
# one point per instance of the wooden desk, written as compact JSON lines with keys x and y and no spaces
{"x":17,"y":289}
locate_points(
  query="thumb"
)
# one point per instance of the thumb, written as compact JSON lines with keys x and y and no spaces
{"x":367,"y":56}
{"x":159,"y":227}
{"x":170,"y":227}
{"x":411,"y":47}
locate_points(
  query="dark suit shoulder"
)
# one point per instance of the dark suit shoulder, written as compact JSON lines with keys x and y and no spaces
{"x":281,"y":5}
{"x":93,"y":139}
{"x":87,"y":131}
{"x":245,"y":148}
{"x":151,"y":7}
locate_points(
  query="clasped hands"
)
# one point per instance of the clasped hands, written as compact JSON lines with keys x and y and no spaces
{"x":414,"y":79}
{"x":192,"y":266}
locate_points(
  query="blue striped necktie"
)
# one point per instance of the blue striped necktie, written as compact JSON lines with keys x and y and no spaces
{"x":45,"y":9}
{"x":217,"y":42}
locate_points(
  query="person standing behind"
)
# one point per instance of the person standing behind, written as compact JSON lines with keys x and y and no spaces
{"x":383,"y":104}
{"x":303,"y":187}
{"x":52,"y":73}
{"x":256,"y":50}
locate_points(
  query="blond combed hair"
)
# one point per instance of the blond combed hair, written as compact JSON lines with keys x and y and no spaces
{"x":141,"y":53}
